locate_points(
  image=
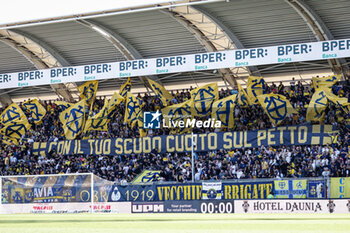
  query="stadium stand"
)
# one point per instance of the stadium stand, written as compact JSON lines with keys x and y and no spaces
{"x":182,"y":106}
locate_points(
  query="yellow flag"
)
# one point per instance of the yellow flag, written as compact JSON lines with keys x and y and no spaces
{"x":133,"y":110}
{"x":143,"y":132}
{"x":164,"y":96}
{"x":223,"y":110}
{"x":15,"y":130}
{"x":276,"y":106}
{"x":113,"y":104}
{"x":36,"y":110}
{"x":12,"y":113}
{"x":147,"y":176}
{"x":63,"y":104}
{"x":99,"y":121}
{"x":256,"y":86}
{"x":203,"y":99}
{"x":10,"y":141}
{"x":125,"y":88}
{"x":86,"y":136}
{"x":243,"y":99}
{"x":339,"y":101}
{"x":88,"y":91}
{"x":175,"y":114}
{"x":317,"y":106}
{"x":140,"y":122}
{"x":327,"y":82}
{"x":346,"y":108}
{"x":73,"y":119}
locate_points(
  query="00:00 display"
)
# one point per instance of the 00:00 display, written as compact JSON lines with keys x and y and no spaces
{"x":220,"y":207}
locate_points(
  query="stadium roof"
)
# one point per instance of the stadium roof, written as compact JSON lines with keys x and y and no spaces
{"x":172,"y":28}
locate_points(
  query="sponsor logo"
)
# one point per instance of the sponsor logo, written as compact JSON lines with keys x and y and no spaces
{"x":154,"y":120}
{"x":151,"y":120}
{"x":55,"y":81}
{"x":190,"y":123}
{"x":147,"y":208}
{"x":280,"y":206}
{"x":331,"y":206}
{"x":245,"y":206}
{"x":101,"y":207}
{"x":42,"y":207}
{"x":23,"y":84}
{"x":89,"y":78}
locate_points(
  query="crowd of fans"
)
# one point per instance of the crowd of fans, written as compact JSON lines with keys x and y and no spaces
{"x":263,"y":162}
{"x":271,"y":162}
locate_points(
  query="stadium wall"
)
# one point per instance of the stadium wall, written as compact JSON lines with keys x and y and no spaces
{"x":318,"y":195}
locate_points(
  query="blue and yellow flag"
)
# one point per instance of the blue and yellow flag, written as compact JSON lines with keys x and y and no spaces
{"x":99,"y":121}
{"x":133,"y":110}
{"x":256,"y":86}
{"x":143,"y":132}
{"x":338,"y":101}
{"x":104,"y":116}
{"x":223,"y":110}
{"x":17,"y":195}
{"x":15,"y":130}
{"x":320,"y":101}
{"x":125,"y":88}
{"x":36,"y":110}
{"x":243,"y":98}
{"x":88,"y":91}
{"x":146,"y":176}
{"x":290,"y":189}
{"x":73,"y":119}
{"x":317,"y":106}
{"x":113,"y":104}
{"x":176,"y":113}
{"x":164,"y":96}
{"x":203,"y":99}
{"x":10,"y":141}
{"x":346,"y":108}
{"x":12,"y":113}
{"x":63,"y":104}
{"x":276,"y":106}
{"x":327,"y":82}
{"x":15,"y":124}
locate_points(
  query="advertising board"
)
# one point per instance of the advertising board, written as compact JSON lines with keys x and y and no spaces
{"x":292,"y":206}
{"x":201,"y":206}
{"x":182,"y":63}
{"x":61,"y":208}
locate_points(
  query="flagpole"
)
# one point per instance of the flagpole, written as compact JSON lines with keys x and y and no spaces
{"x":192,"y":147}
